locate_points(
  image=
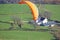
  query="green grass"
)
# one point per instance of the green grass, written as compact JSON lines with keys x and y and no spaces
{"x":16,"y":9}
{"x":55,"y":11}
{"x":13,"y":9}
{"x":25,"y":35}
{"x":24,"y":12}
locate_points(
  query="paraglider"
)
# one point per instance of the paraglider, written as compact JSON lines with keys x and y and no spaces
{"x":35,"y":13}
{"x":33,"y":8}
{"x":38,"y":20}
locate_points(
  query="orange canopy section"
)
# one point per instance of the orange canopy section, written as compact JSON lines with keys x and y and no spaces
{"x":33,"y":8}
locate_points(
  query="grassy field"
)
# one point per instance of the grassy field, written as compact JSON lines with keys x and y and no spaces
{"x":54,"y":9}
{"x":23,"y":11}
{"x":25,"y":35}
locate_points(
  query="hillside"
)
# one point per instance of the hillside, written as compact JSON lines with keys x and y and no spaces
{"x":21,"y":10}
{"x":24,"y":12}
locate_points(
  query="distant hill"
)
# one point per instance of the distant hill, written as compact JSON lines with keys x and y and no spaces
{"x":35,"y":1}
{"x":8,"y":1}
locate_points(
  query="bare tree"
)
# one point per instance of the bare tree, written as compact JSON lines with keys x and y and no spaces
{"x":56,"y":32}
{"x":47,"y":14}
{"x":16,"y":21}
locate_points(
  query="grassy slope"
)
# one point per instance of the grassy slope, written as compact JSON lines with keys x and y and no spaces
{"x":8,"y":10}
{"x":55,"y":10}
{"x":25,"y":35}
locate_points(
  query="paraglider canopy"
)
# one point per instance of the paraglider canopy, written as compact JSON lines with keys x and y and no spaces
{"x":33,"y":8}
